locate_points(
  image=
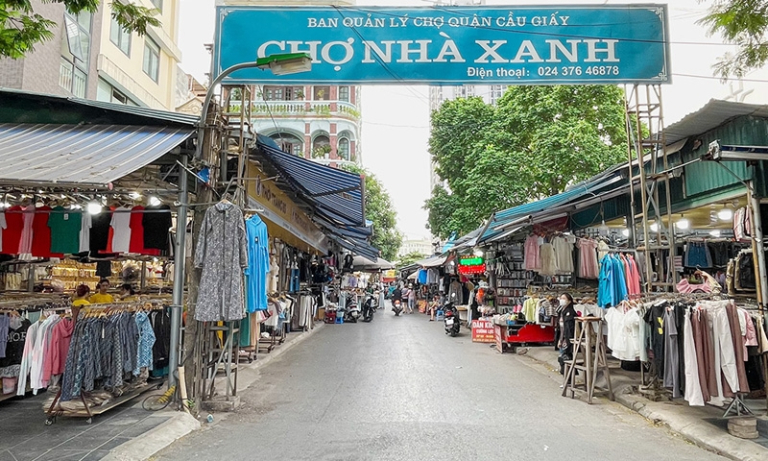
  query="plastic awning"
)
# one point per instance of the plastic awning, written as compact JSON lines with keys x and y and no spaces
{"x":335,"y":194}
{"x":355,"y":246}
{"x":361,"y":263}
{"x":81,"y":154}
{"x":434,"y":261}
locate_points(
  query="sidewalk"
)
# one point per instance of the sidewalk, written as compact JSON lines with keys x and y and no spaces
{"x":703,"y":426}
{"x":126,"y":433}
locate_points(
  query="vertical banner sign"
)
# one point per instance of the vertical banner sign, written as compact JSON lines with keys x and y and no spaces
{"x":524,"y":45}
{"x":482,"y":331}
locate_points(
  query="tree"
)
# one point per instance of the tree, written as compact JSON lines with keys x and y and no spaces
{"x":536,"y":142}
{"x":745,"y":24}
{"x":410,"y":258}
{"x":379,"y":210}
{"x":22,"y":28}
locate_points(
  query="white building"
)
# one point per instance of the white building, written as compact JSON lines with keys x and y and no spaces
{"x":320,"y":122}
{"x":421,"y":246}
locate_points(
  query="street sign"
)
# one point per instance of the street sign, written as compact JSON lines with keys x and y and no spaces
{"x":519,"y":45}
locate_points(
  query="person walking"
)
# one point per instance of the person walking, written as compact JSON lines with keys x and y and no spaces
{"x":411,"y":299}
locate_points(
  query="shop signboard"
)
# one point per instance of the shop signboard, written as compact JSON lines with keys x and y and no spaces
{"x":278,"y":208}
{"x":482,"y":331}
{"x":514,"y":45}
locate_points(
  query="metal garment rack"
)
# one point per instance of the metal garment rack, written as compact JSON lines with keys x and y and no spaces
{"x":647,"y":143}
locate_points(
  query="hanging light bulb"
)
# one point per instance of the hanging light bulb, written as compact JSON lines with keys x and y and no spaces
{"x":654,"y":227}
{"x":154,"y":201}
{"x":726,"y":214}
{"x":603,"y":229}
{"x":625,"y":232}
{"x":478,"y":252}
{"x":94,"y":207}
{"x":683,"y":223}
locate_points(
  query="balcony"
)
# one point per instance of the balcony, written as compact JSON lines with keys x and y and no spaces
{"x":301,"y":109}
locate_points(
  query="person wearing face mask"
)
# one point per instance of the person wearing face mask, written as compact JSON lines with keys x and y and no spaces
{"x":566,"y":315}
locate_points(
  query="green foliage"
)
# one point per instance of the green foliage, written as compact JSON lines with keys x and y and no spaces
{"x":379,"y":210}
{"x":745,"y":24}
{"x":410,"y":258}
{"x":22,"y":28}
{"x":537,"y":141}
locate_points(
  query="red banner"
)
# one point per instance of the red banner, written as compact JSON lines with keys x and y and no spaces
{"x":482,"y":331}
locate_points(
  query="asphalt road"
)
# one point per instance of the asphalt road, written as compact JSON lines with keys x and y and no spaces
{"x":400,"y":389}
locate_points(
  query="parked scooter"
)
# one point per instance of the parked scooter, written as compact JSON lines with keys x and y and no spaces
{"x":452,"y":320}
{"x":352,"y":311}
{"x":369,"y":307}
{"x":397,"y":307}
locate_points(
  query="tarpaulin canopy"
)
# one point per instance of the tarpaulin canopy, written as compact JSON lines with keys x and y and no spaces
{"x":362,"y":263}
{"x":81,"y":154}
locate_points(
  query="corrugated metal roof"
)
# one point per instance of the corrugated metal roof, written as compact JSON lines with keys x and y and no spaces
{"x":713,"y":114}
{"x":336,"y":194}
{"x":357,"y":247}
{"x":35,"y":109}
{"x":81,"y":154}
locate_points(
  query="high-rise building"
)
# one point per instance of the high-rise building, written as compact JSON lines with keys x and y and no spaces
{"x":90,"y":56}
{"x":321,"y":122}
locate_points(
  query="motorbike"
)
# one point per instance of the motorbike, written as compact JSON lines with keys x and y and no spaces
{"x":397,"y":307}
{"x":369,"y":307}
{"x":351,"y":311}
{"x":452,"y":320}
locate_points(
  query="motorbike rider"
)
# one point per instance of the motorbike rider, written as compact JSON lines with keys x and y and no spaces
{"x":397,"y":295}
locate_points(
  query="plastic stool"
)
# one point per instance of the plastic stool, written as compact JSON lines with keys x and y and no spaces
{"x":339,"y":320}
{"x":440,"y":315}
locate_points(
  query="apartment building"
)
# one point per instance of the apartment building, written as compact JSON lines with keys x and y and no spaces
{"x":91,"y":57}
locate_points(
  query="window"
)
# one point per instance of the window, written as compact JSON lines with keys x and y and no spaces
{"x":274,"y":93}
{"x":344,"y":93}
{"x":75,"y":54}
{"x":120,"y":37}
{"x":108,"y":93}
{"x":151,"y":64}
{"x":158,"y":4}
{"x":344,"y":148}
{"x":321,"y":93}
{"x":283,"y":93}
{"x":289,"y":143}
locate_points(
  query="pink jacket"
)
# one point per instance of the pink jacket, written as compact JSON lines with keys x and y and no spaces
{"x":53,"y":363}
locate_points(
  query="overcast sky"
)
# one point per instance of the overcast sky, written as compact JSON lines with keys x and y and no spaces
{"x":396,"y":118}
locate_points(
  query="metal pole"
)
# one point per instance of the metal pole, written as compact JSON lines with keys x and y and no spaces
{"x":179,"y":259}
{"x":758,"y":246}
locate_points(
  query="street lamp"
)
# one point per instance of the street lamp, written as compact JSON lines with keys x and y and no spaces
{"x":279,"y":64}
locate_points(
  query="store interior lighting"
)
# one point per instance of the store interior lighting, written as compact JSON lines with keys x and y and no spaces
{"x":94,"y":207}
{"x":154,"y":201}
{"x":654,"y":227}
{"x":683,"y":223}
{"x":625,"y":232}
{"x":135,"y":195}
{"x":479,"y":253}
{"x":715,"y":232}
{"x":726,"y":214}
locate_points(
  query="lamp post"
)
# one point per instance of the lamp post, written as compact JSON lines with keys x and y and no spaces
{"x":280,"y":64}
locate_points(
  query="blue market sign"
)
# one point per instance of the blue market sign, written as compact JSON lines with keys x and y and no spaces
{"x":525,"y":45}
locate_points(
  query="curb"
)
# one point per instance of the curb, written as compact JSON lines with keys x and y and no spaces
{"x":699,"y":433}
{"x":143,"y":447}
{"x":182,"y":424}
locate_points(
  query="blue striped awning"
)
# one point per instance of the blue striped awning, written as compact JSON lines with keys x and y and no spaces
{"x":335,"y":194}
{"x":81,"y":154}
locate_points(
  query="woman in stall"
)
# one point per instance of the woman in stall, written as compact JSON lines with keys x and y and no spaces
{"x":566,"y":315}
{"x":127,"y":293}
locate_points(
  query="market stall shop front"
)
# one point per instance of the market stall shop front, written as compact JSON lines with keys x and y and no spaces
{"x":87,"y":189}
